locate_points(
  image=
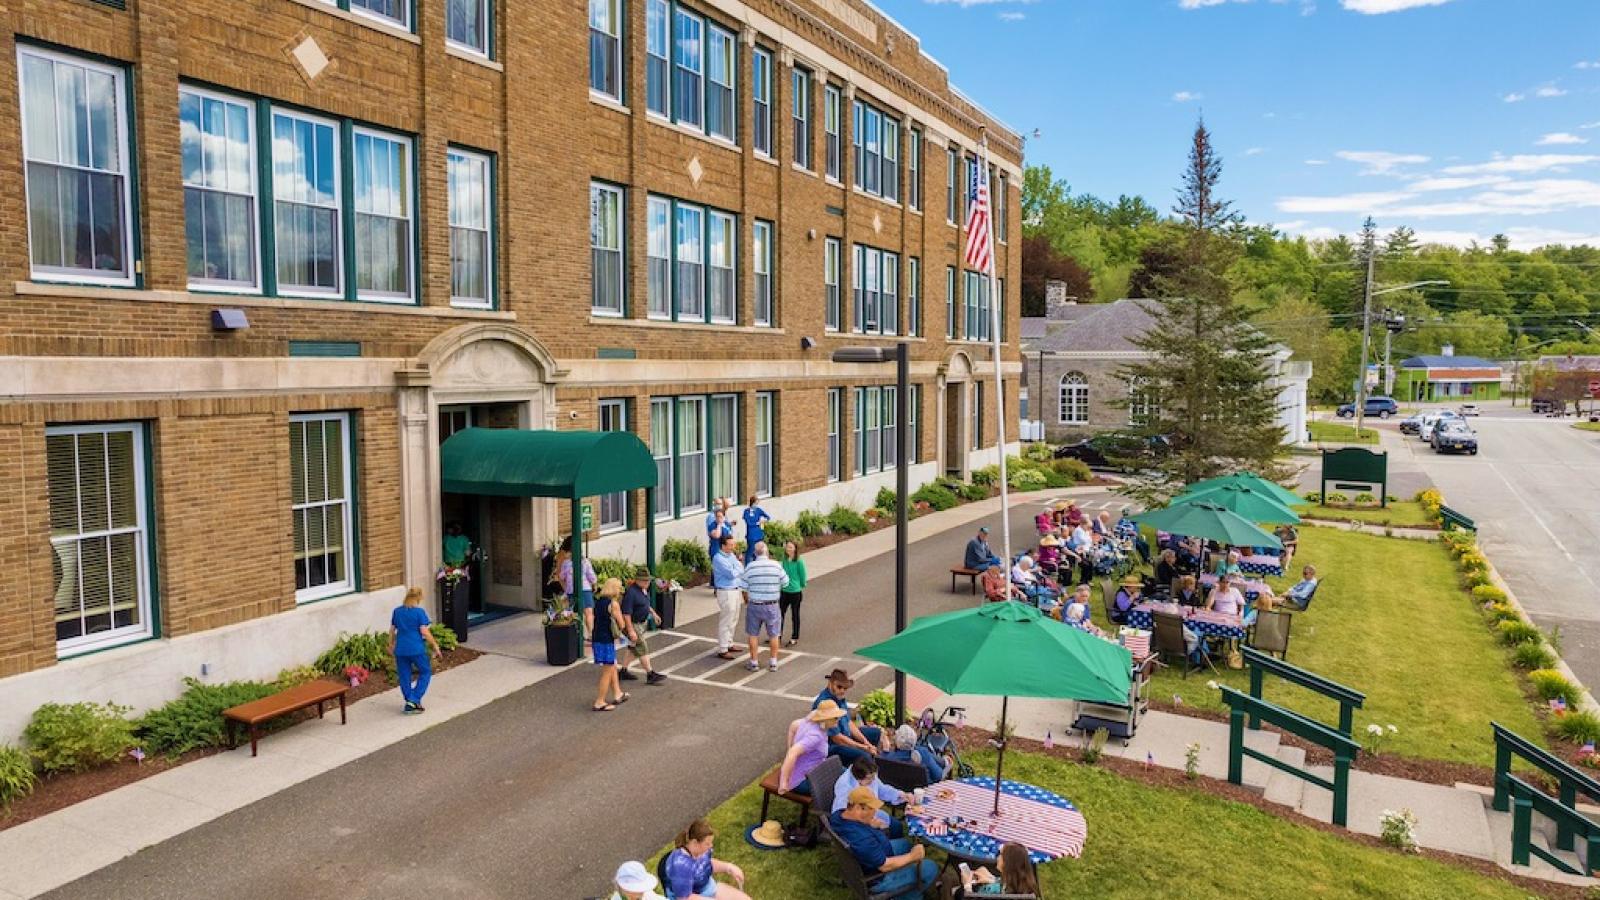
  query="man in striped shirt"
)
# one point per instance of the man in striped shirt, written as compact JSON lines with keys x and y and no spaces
{"x":762,"y":581}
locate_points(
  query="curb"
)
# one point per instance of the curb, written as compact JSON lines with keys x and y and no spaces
{"x":1586,"y":702}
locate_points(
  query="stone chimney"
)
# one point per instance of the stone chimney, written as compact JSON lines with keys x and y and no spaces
{"x":1056,"y":299}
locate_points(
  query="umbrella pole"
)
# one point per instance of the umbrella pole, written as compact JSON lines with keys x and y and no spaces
{"x":1000,"y":764}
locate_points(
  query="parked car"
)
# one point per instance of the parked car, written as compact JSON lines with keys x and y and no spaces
{"x":1116,"y":450}
{"x":1411,"y":424}
{"x":1382,"y":407}
{"x":1431,"y":420}
{"x":1455,"y":436}
{"x":1469,"y":409}
{"x":1541,"y":406}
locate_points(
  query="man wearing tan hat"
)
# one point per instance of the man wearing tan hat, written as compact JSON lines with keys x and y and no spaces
{"x":876,"y":852}
{"x":808,"y":747}
{"x":1126,"y":599}
{"x":847,"y":740}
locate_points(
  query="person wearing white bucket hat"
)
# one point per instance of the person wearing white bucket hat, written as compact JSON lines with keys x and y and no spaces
{"x":634,"y":882}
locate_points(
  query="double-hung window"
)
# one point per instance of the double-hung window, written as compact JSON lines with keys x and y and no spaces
{"x":876,"y":277}
{"x":76,"y":165}
{"x":880,"y":166}
{"x":657,"y":58}
{"x":977,"y":306}
{"x":914,"y":423}
{"x":889,"y":302}
{"x":869,"y":430}
{"x":858,"y":420}
{"x":891,"y":445}
{"x":466,"y":25}
{"x":831,"y":251}
{"x":605,"y":243}
{"x":859,"y":289}
{"x":952,"y":168}
{"x":384,"y":211}
{"x":1001,"y":195}
{"x":307,"y":212}
{"x":835,"y":414}
{"x":914,"y":170}
{"x":471,"y":240}
{"x":720,"y":67}
{"x":614,"y":507}
{"x":761,"y":96}
{"x":800,"y":92}
{"x":724,"y":432}
{"x":688,"y":61}
{"x":950,"y":302}
{"x":605,"y":48}
{"x":217,"y":136}
{"x":320,"y":497}
{"x":761,"y":241}
{"x":869,"y":169}
{"x":392,"y":12}
{"x":99,"y":536}
{"x":661,"y":447}
{"x":764,"y":460}
{"x":724,"y":273}
{"x":977,"y":416}
{"x":658,"y":253}
{"x":691,"y":454}
{"x":914,"y":297}
{"x":689,"y":291}
{"x":831,"y":101}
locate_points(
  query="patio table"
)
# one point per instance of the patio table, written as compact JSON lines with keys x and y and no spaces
{"x":1262,"y":565}
{"x":1252,"y":589}
{"x":1041,"y":820}
{"x":1203,"y":622}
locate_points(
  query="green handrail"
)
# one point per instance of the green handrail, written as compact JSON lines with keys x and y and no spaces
{"x":1344,"y":749}
{"x":1569,"y":780}
{"x":1526,"y":800}
{"x":1450,"y":518}
{"x":1261,"y":664}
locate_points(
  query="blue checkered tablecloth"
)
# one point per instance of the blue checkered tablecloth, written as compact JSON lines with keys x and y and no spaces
{"x":1262,"y":565}
{"x":1204,"y":624}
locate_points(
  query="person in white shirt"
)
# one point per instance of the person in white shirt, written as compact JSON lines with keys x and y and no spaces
{"x":1225,"y":597}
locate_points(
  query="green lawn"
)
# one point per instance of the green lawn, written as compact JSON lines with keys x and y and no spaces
{"x":1334,"y":433}
{"x":1391,"y":621}
{"x":1143,"y":842}
{"x":1399,"y":513}
{"x":1587,"y":426}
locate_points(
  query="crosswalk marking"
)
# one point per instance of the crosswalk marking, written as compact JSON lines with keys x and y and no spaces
{"x":751,"y":683}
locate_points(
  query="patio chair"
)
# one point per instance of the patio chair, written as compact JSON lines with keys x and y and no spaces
{"x":822,"y":779}
{"x":1108,"y":598}
{"x":1167,"y":639}
{"x":1305,"y":604}
{"x":860,"y":884}
{"x":905,"y":776}
{"x":1270,"y":633}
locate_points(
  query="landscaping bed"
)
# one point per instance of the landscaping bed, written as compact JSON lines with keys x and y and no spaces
{"x":1334,"y":433}
{"x":1398,"y":514}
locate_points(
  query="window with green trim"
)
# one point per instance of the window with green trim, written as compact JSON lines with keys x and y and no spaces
{"x":467,"y":25}
{"x":218,"y":142}
{"x":605,"y":243}
{"x":695,"y":443}
{"x":472,"y":254}
{"x":389,"y":12}
{"x":693,"y":263}
{"x":308,"y":208}
{"x":605,"y":48}
{"x":320,"y":494}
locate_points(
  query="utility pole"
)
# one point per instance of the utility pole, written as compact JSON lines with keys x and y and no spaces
{"x":1369,"y":244}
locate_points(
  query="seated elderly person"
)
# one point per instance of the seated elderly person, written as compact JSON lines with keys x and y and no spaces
{"x":1188,"y":594}
{"x":1189,"y":554}
{"x":1076,"y":611}
{"x":1228,"y":565}
{"x":1226,"y":598}
{"x":1044,"y":522}
{"x":1035,"y":588}
{"x":997,"y":587}
{"x":1167,"y":570}
{"x":1049,"y":554}
{"x":863,"y":773}
{"x":1074,"y":514}
{"x":1290,"y":539}
{"x":1127,"y":597}
{"x":1128,"y":530}
{"x":878,"y":854}
{"x":1102,"y":524}
{"x":1299,"y":596}
{"x":907,"y":750}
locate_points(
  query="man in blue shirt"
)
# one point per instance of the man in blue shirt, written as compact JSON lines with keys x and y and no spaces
{"x":754,"y":534}
{"x":900,"y":861}
{"x":725,"y":573}
{"x":979,"y":557}
{"x":846,"y":739}
{"x":863,"y":773}
{"x":1299,"y":596}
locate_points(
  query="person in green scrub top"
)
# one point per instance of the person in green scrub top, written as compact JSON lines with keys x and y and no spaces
{"x":457,"y":546}
{"x":793,"y":591}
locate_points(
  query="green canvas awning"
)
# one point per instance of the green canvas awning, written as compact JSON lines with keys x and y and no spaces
{"x":508,"y":462}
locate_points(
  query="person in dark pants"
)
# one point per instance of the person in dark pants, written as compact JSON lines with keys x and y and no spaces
{"x":847,"y":740}
{"x":409,"y":640}
{"x":793,"y":591}
{"x":638,"y":613}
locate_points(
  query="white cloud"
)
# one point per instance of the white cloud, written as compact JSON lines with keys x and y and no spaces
{"x":1423,"y":185}
{"x":1587,"y":64}
{"x":1342,"y":203}
{"x":1379,"y":7}
{"x":1186,"y":96}
{"x":1589,"y":126}
{"x":1202,"y":4}
{"x":1522,"y":164}
{"x":1541,"y":196}
{"x":1381,"y":162}
{"x":1296,"y":225}
{"x":1521,"y":238}
{"x":1514,"y":97}
{"x":1012,"y":16}
{"x":1549,"y":90}
{"x":1255,"y":151}
{"x":1316,"y":162}
{"x":1556,"y":138}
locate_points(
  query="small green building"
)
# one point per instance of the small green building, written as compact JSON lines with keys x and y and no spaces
{"x":1446,"y":377}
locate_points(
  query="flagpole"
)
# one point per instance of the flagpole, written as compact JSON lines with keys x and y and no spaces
{"x":999,"y":376}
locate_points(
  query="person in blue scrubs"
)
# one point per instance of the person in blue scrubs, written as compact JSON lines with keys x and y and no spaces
{"x":409,"y":640}
{"x":754,"y":518}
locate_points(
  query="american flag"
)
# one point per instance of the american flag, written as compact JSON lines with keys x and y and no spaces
{"x":979,"y":253}
{"x":1049,"y":826}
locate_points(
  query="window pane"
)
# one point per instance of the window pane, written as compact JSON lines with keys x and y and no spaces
{"x":690,"y":287}
{"x":320,"y":504}
{"x":720,"y":86}
{"x":383,"y":215}
{"x":306,"y":212}
{"x":661,"y":450}
{"x":689,"y":66}
{"x":830,"y":279}
{"x":656,"y":69}
{"x":470,"y":252}
{"x":761,"y":92}
{"x":723,"y":254}
{"x":96,"y":487}
{"x":467,"y":24}
{"x":659,"y":254}
{"x":763,"y":273}
{"x":218,"y":152}
{"x":605,"y":239}
{"x":801,"y":113}
{"x":605,"y":47}
{"x":393,"y":10}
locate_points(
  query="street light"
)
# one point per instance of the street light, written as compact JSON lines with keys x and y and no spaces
{"x":900,"y":355}
{"x":1366,"y":324}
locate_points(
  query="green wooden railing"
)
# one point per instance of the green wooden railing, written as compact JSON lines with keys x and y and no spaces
{"x":1526,"y":800}
{"x":1570,"y":782}
{"x":1344,"y":749}
{"x":1450,"y":518}
{"x":1262,"y":665}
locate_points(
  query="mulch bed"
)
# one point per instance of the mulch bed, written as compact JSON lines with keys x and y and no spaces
{"x":974,"y":739}
{"x":54,"y":792}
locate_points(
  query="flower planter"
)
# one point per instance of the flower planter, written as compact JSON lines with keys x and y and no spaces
{"x":453,"y":602}
{"x":668,"y":608}
{"x":561,"y":644}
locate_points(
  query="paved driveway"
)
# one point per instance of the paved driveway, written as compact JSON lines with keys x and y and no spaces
{"x":1534,"y":489}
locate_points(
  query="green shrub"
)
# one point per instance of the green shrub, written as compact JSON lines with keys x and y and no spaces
{"x":1366,"y":498}
{"x":16,"y":774}
{"x":886,"y":499}
{"x":1472,"y":561}
{"x":1076,"y":469}
{"x":1038,"y":451}
{"x":692,"y":555}
{"x":1516,"y":631}
{"x":1550,"y":684}
{"x":367,"y":649}
{"x":444,"y":636}
{"x":1500,"y":612}
{"x":988,"y":476}
{"x":974,"y":491}
{"x":612,"y":567}
{"x":779,"y":533}
{"x":1488,"y":593}
{"x":937,"y":496}
{"x":810,"y":523}
{"x":672,"y":570}
{"x":1314,"y":497}
{"x":1025,"y":479}
{"x":1474,"y":579}
{"x":1532,"y":657}
{"x":73,"y":737}
{"x":1580,"y":727}
{"x":844,"y":520}
{"x":194,"y":720}
{"x":877,"y":708}
{"x":1054,"y":479}
{"x":1337,"y":497}
{"x":296,"y":676}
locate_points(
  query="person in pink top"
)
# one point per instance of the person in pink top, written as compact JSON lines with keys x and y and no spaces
{"x":1225,"y":597}
{"x":808,"y":747}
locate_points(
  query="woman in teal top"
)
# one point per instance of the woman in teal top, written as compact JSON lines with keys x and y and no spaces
{"x":794,"y":591}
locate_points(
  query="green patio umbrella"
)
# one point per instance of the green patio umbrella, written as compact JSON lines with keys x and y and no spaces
{"x":1255,"y":482}
{"x":1209,"y":521}
{"x":1249,"y":503}
{"x":1006,"y":650}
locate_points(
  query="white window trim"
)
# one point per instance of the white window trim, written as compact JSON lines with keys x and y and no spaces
{"x":488,"y":212}
{"x":835,"y":449}
{"x":410,"y":297}
{"x":704,"y":453}
{"x":621,"y":407}
{"x":331,"y":589}
{"x":732,"y":451}
{"x":671,"y":258}
{"x":621,"y":250}
{"x":620,"y":7}
{"x":1067,"y":388}
{"x":769,"y":400}
{"x":732,"y":137}
{"x":337,"y":292}
{"x":403,"y":23}
{"x":483,"y":53}
{"x":762,"y":53}
{"x":834,"y":271}
{"x":671,"y":487}
{"x":225,"y":287}
{"x":87,"y":643}
{"x":731,"y":228}
{"x":757,"y":263}
{"x":119,"y":79}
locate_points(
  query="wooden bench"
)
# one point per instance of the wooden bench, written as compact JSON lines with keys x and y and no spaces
{"x":971,"y":574}
{"x":769,"y":789}
{"x":299,"y":697}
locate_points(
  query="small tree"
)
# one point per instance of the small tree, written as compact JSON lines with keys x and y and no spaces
{"x":1042,"y":263}
{"x":1207,"y":370}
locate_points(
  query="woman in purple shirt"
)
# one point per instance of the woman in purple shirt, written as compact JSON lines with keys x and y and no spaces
{"x":808,"y":747}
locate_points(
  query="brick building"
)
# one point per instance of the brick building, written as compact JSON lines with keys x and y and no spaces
{"x":221,"y":416}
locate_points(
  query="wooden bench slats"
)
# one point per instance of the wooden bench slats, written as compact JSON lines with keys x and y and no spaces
{"x":303,"y":696}
{"x":958,"y":571}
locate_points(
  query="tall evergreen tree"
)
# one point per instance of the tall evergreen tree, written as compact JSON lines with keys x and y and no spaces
{"x":1208,"y":366}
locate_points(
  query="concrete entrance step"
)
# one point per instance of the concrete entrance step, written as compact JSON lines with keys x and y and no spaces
{"x":1448,"y":818}
{"x":1284,"y":788}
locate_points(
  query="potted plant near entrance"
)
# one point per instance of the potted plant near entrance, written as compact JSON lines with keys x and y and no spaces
{"x":561,"y":633}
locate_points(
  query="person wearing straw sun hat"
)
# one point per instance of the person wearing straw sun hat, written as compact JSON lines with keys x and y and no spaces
{"x":634,"y":882}
{"x":847,"y":740}
{"x":1127,"y":598}
{"x":808,"y":747}
{"x":1049,"y":554}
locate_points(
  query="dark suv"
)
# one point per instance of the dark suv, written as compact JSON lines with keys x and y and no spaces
{"x":1116,"y":450}
{"x":1382,"y":407}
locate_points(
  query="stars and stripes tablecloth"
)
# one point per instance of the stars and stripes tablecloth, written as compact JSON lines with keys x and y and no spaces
{"x":1262,"y":565}
{"x":1203,"y":622}
{"x":1138,"y":644}
{"x":1043,"y":821}
{"x":1252,"y":589}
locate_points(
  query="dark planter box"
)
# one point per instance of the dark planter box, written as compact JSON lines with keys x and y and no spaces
{"x":453,"y":602}
{"x":561,"y":644}
{"x":668,"y":608}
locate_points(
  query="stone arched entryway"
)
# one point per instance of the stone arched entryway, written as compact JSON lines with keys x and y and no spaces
{"x":954,"y":413}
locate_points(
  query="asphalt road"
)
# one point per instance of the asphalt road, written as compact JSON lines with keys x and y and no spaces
{"x":533,"y":796}
{"x":1534,"y":489}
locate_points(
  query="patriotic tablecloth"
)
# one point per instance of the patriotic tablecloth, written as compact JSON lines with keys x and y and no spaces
{"x":1252,"y":589}
{"x":1203,"y":622}
{"x":1138,"y":644}
{"x":1043,"y":821}
{"x":1262,"y":565}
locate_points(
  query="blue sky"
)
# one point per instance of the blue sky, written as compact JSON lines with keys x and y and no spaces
{"x":1459,"y":118}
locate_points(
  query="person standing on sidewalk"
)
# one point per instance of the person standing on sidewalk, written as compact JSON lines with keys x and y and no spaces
{"x":638,"y":612}
{"x":604,"y":622}
{"x":717,"y":525}
{"x":754,"y":518}
{"x":793,"y":590}
{"x":763,"y":582}
{"x":409,"y":640}
{"x":725,"y":573}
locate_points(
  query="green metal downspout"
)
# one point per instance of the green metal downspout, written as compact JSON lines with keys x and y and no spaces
{"x":650,"y":544}
{"x":577,"y":568}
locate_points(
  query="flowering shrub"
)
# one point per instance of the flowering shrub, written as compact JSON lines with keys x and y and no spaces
{"x":1191,"y":761}
{"x":1398,"y":828}
{"x":1376,"y":736}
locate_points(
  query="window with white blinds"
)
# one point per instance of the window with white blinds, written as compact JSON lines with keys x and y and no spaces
{"x":319,"y":472}
{"x":97,"y":484}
